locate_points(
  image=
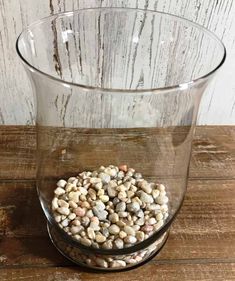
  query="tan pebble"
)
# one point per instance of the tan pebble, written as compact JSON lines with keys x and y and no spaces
{"x":63,"y":203}
{"x":129,"y":230}
{"x":152,"y":221}
{"x":122,"y":195}
{"x":164,"y":208}
{"x":76,"y":222}
{"x":75,"y":229}
{"x":114,"y":217}
{"x":117,"y":264}
{"x":89,"y":214}
{"x":95,"y":226}
{"x":120,"y":223}
{"x":92,"y":193}
{"x":80,"y":212}
{"x":104,"y":198}
{"x":58,"y":218}
{"x":138,"y":258}
{"x":161,"y":187}
{"x":137,"y":199}
{"x":159,"y":216}
{"x":123,"y":168}
{"x":85,"y":205}
{"x":73,"y":205}
{"x":130,"y":193}
{"x":136,"y":227}
{"x":72,"y":216}
{"x":83,"y":197}
{"x":63,"y":211}
{"x":100,"y":192}
{"x":101,"y":262}
{"x":98,"y":185}
{"x":74,"y":196}
{"x":59,"y":191}
{"x":107,"y":244}
{"x":91,"y":233}
{"x":69,"y":187}
{"x":158,"y":225}
{"x":61,"y":183}
{"x":94,"y":180}
{"x":122,"y":214}
{"x":72,"y":179}
{"x":95,"y":220}
{"x":140,"y":235}
{"x":155,"y":193}
{"x":85,"y":241}
{"x":122,"y":234}
{"x":100,"y":238}
{"x":121,"y":187}
{"x":114,"y":229}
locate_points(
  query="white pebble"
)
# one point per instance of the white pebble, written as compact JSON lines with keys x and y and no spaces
{"x":161,"y":199}
{"x":159,"y":216}
{"x":58,"y":218}
{"x":105,"y":178}
{"x":152,"y":221}
{"x":158,"y":225}
{"x":65,"y":222}
{"x":112,"y":192}
{"x":63,"y":211}
{"x":118,"y":243}
{"x":59,"y":191}
{"x":133,"y":207}
{"x":61,"y":183}
{"x":155,"y":193}
{"x":130,"y":239}
{"x":122,"y":214}
{"x":146,"y":198}
{"x":55,"y":203}
{"x":63,"y":203}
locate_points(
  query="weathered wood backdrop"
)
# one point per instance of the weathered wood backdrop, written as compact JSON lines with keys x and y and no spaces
{"x":16,"y":104}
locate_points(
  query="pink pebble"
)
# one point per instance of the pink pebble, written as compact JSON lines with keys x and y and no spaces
{"x":123,"y":168}
{"x":147,"y":228}
{"x":95,"y":220}
{"x":80,"y":212}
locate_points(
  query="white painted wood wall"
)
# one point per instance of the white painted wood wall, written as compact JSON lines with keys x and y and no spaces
{"x":16,"y":102}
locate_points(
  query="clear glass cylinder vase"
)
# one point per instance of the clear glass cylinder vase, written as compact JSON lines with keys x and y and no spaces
{"x":119,"y":87}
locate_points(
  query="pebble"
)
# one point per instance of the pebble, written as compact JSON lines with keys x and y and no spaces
{"x":59,"y":191}
{"x":114,"y":217}
{"x":118,"y":263}
{"x":61,"y":183}
{"x":100,"y":238}
{"x":114,"y":229}
{"x":74,"y":196}
{"x":54,"y":203}
{"x":105,"y":178}
{"x":85,"y":241}
{"x":118,"y":243}
{"x":104,"y":198}
{"x":155,"y":193}
{"x":146,"y":198}
{"x":161,"y":199}
{"x":63,"y":211}
{"x":120,"y":207}
{"x":112,"y":192}
{"x":152,"y":221}
{"x":129,"y":230}
{"x":73,"y":204}
{"x":123,"y":168}
{"x":133,"y":207}
{"x":139,"y":235}
{"x":101,"y":262}
{"x":72,"y":216}
{"x":107,"y":244}
{"x":130,"y":239}
{"x":94,"y":226}
{"x":91,"y":233}
{"x":122,"y":214}
{"x":159,"y":216}
{"x":80,"y":212}
{"x":65,"y":222}
{"x":122,"y":234}
{"x":76,"y":229}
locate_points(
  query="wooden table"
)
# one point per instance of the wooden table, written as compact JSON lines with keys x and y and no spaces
{"x":201,"y":245}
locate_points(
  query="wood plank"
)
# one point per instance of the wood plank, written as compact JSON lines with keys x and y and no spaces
{"x":204,"y":228}
{"x":213,"y":153}
{"x":148,"y":272}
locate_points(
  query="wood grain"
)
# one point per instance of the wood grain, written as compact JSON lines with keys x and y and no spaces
{"x":148,"y":272}
{"x":213,"y":152}
{"x":16,"y":94}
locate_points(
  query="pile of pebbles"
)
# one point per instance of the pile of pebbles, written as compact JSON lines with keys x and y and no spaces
{"x":110,"y":208}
